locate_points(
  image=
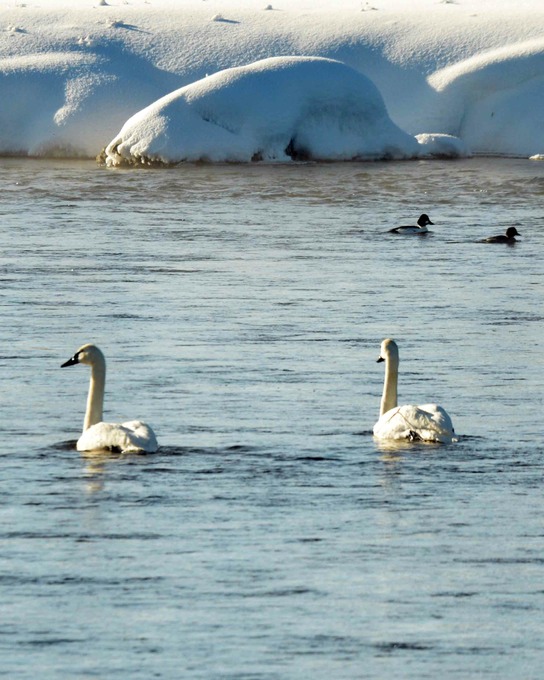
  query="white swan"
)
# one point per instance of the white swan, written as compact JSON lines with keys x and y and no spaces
{"x":427,"y":422}
{"x":131,"y":437}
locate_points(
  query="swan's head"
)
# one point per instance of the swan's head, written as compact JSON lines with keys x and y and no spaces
{"x":389,"y":351}
{"x":87,"y":354}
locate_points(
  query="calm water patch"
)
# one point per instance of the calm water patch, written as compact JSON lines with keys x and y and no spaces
{"x":241,"y":311}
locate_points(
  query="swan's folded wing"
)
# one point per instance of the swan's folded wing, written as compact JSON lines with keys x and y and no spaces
{"x":392,"y":425}
{"x":130,"y":437}
{"x":438,"y":422}
{"x":142,"y":437}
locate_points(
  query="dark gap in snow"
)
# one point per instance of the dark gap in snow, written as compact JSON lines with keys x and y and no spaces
{"x":296,"y":153}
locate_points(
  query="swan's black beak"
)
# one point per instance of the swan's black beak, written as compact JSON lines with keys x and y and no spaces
{"x":379,"y":359}
{"x":71,"y":362}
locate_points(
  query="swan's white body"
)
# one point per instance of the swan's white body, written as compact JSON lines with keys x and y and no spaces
{"x":129,"y":437}
{"x":426,"y":422}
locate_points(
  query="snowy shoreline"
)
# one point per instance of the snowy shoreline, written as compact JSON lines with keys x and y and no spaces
{"x":473,"y":70}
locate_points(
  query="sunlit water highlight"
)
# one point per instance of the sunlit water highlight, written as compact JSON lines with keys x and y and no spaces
{"x":241,"y":309}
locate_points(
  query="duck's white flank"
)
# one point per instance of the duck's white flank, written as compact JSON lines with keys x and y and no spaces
{"x":130,"y":437}
{"x":425,"y":422}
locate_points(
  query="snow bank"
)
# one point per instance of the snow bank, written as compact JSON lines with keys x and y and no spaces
{"x":71,"y":74}
{"x":495,"y":101}
{"x":66,"y":103}
{"x":275,"y":109}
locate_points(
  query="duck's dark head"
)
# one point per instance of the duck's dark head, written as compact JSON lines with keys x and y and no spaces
{"x":424,"y":220}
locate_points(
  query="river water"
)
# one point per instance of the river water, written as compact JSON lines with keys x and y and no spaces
{"x":241,"y":310}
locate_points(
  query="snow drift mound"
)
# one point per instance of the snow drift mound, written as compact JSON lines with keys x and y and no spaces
{"x":494,"y":100}
{"x":276,"y":109}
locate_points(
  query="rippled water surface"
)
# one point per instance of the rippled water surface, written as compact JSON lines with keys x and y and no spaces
{"x":241,"y":311}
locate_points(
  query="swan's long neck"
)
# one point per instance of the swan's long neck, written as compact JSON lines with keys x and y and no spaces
{"x":389,"y":396}
{"x":95,"y":398}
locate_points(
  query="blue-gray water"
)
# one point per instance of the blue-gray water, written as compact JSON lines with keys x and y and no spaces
{"x":241,"y":311}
